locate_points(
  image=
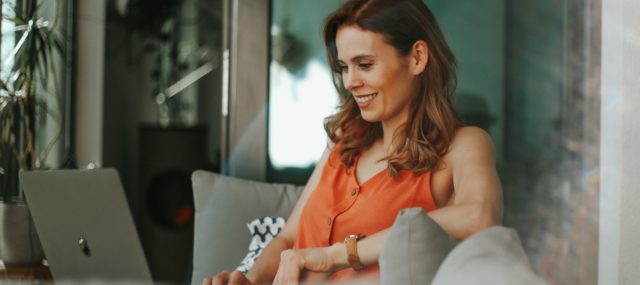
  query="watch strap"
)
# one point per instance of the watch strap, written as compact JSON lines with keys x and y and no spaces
{"x":351,"y":243}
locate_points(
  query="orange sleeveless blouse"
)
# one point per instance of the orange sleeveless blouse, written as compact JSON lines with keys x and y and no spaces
{"x":340,"y":205}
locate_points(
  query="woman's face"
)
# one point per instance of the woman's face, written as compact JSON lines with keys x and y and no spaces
{"x":380,"y":80}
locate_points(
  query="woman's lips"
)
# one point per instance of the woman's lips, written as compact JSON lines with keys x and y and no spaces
{"x":364,"y":100}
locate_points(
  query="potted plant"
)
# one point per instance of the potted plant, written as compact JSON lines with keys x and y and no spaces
{"x":29,"y":98}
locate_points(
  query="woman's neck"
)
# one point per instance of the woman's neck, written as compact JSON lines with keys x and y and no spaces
{"x":388,"y":143}
{"x":388,"y":131}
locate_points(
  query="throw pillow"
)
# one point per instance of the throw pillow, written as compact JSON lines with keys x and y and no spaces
{"x":262,"y":230}
{"x":414,"y":249}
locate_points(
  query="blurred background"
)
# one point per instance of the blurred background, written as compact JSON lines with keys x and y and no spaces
{"x":159,"y":88}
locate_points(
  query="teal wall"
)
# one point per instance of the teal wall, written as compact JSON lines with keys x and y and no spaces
{"x":476,"y":33}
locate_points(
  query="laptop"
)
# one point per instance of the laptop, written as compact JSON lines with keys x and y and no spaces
{"x":85,"y":226}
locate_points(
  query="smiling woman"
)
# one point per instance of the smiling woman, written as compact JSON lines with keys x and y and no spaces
{"x":395,"y":143}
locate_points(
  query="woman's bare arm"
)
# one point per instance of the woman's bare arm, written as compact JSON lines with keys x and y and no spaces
{"x":478,"y":200}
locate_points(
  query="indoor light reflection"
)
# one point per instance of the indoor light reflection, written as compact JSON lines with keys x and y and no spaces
{"x":298,"y":106}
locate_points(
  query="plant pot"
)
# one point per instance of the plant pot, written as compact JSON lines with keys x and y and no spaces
{"x":19,"y":242}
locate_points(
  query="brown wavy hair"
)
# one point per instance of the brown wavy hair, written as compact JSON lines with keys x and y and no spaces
{"x":424,"y":139}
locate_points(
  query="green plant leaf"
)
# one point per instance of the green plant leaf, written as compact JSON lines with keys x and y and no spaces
{"x":32,"y":72}
{"x":59,"y":45}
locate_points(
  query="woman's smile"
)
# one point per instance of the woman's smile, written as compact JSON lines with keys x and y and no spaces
{"x":364,"y":100}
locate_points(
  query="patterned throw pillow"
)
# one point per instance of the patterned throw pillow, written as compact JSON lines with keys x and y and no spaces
{"x":263,"y":230}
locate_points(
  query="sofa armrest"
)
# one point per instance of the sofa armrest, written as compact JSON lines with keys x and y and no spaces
{"x":491,"y":256}
{"x":223,"y":207}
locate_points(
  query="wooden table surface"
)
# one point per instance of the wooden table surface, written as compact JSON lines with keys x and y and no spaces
{"x":28,"y":274}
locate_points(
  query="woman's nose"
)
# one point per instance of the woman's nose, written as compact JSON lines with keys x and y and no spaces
{"x":351,"y":80}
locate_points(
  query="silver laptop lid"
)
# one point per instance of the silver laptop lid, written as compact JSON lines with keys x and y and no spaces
{"x":85,"y":226}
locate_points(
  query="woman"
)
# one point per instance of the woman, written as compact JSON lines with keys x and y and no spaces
{"x":395,"y":143}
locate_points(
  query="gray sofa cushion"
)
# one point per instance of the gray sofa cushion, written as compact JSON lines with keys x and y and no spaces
{"x":414,"y":249}
{"x":224,"y":205}
{"x":492,"y":256}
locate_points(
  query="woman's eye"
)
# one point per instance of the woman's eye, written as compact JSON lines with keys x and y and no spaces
{"x":365,"y":65}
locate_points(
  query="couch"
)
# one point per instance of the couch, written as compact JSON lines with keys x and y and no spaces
{"x":417,"y":250}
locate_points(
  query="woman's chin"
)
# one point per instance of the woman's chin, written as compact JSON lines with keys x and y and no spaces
{"x":371,"y":118}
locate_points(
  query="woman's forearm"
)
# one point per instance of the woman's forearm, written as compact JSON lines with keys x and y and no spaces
{"x":368,"y":250}
{"x":459,"y":221}
{"x":266,"y":266}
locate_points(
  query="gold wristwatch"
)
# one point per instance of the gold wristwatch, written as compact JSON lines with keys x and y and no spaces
{"x":351,"y":242}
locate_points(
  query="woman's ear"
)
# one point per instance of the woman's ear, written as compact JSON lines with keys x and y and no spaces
{"x":419,"y":57}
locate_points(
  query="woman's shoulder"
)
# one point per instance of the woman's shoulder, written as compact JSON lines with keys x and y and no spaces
{"x":466,"y":133}
{"x":467,"y":140}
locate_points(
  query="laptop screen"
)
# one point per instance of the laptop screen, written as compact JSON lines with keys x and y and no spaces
{"x":85,"y":225}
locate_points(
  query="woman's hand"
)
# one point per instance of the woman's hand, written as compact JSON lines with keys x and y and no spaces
{"x":293,"y":262}
{"x":227,"y":278}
